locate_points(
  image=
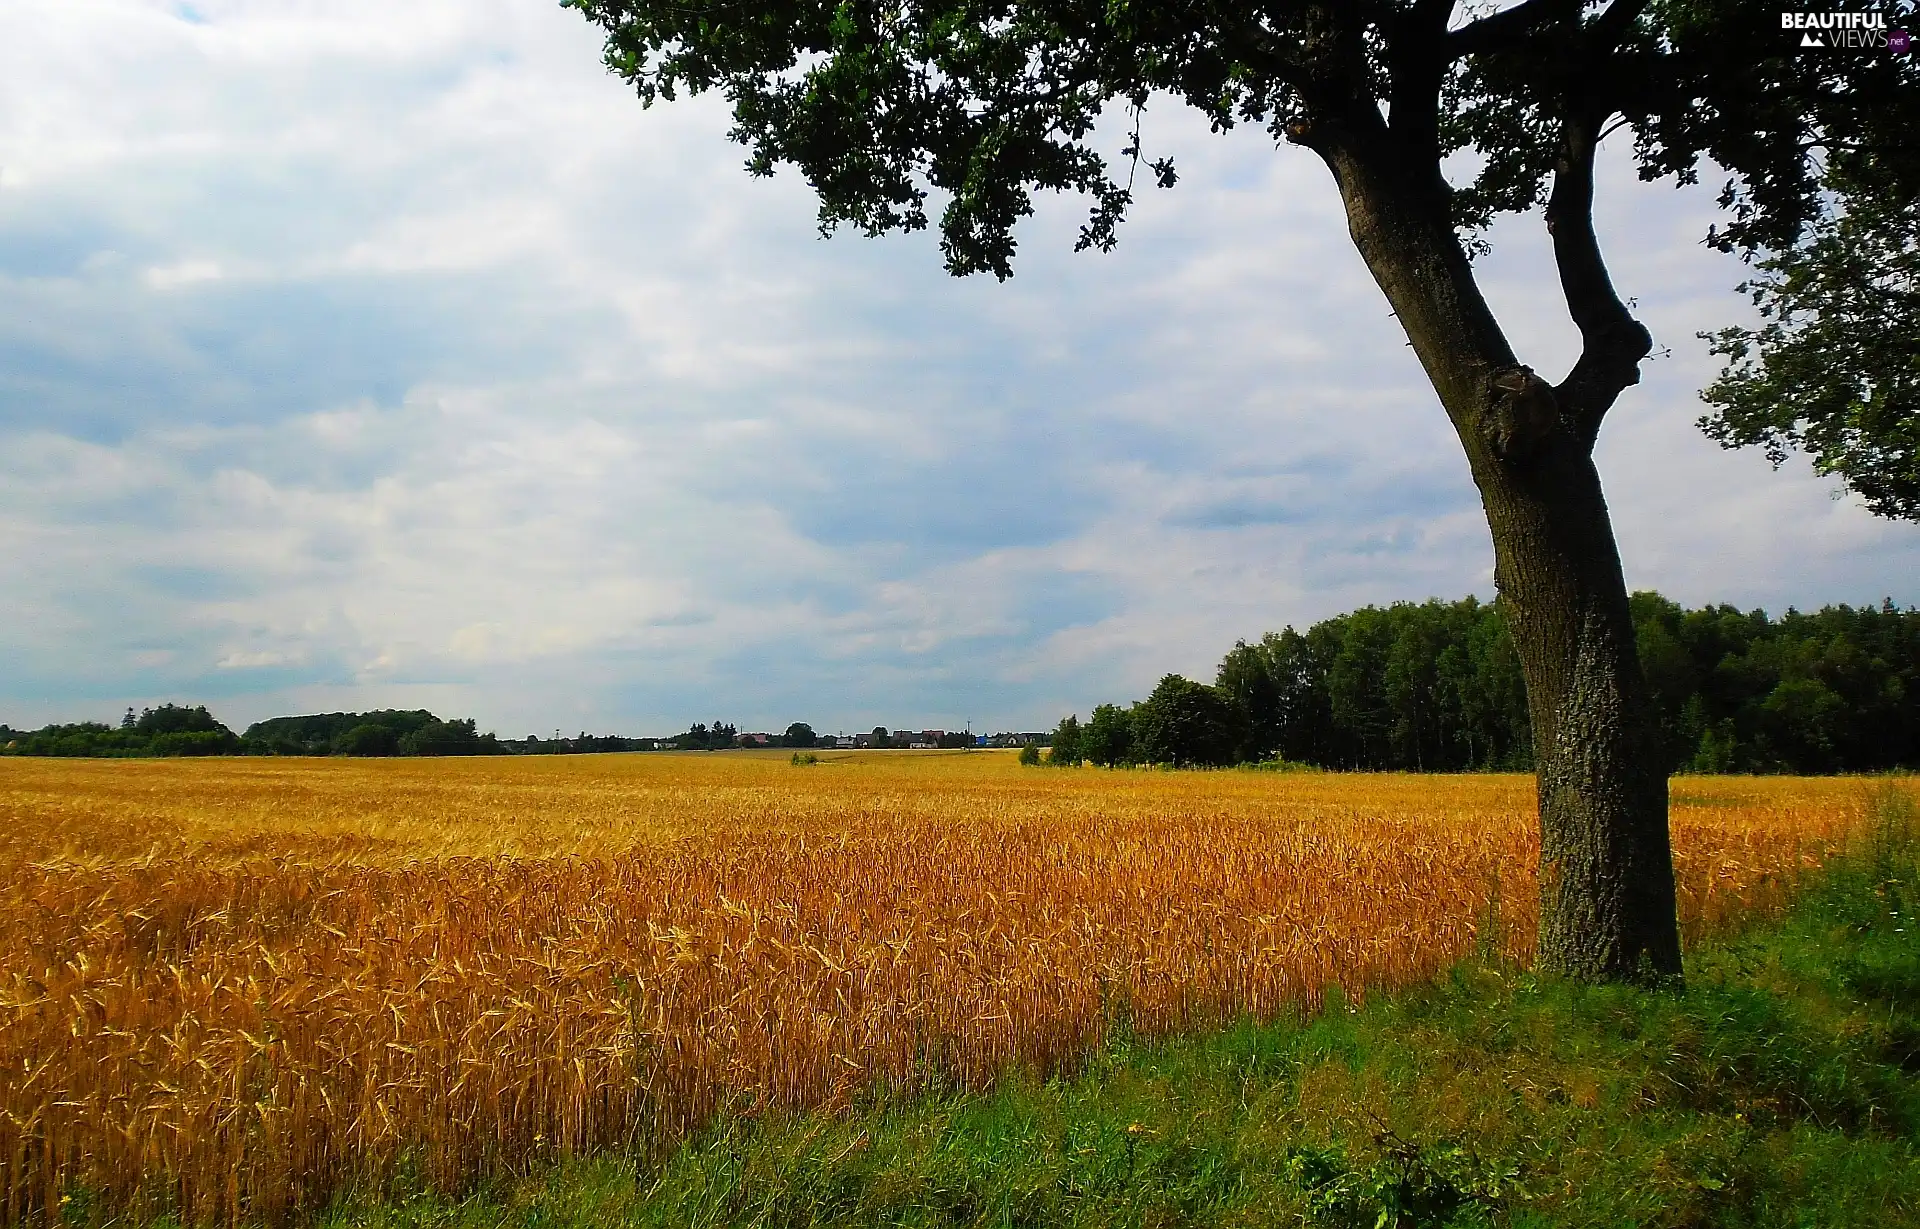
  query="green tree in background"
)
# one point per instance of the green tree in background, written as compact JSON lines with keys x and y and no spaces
{"x":327,"y":733}
{"x":1187,"y":724}
{"x":703,"y":737}
{"x":1437,"y":686}
{"x":799,"y":734}
{"x":1248,"y":680}
{"x":174,"y":719}
{"x":1834,"y":367}
{"x":169,"y":730}
{"x":368,"y":738}
{"x":1433,"y":686}
{"x":174,"y":729}
{"x":457,"y":737}
{"x":1107,"y":738}
{"x":1064,"y":748}
{"x":1837,"y":690}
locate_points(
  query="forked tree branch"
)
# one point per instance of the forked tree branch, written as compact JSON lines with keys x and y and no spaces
{"x":1612,"y":341}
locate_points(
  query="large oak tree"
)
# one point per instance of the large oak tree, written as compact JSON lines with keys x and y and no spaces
{"x":886,"y":105}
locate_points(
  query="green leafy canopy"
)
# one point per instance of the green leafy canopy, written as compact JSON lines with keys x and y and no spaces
{"x":1834,"y":368}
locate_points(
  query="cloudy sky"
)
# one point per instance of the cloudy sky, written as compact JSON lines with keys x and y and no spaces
{"x":356,"y":354}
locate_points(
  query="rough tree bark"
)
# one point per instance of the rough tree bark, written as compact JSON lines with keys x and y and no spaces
{"x":1607,"y":906}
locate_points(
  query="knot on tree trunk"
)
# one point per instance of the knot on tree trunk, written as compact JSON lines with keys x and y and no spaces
{"x":1622,"y":346}
{"x":1520,"y":412}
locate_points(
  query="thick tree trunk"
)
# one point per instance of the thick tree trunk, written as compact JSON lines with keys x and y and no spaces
{"x":1606,"y":868}
{"x":1607,"y":906}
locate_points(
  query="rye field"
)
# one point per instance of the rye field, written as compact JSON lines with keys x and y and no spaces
{"x":230,"y":989}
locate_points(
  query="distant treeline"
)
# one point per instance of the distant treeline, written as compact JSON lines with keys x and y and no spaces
{"x":1437,"y":687}
{"x":382,"y":732}
{"x":168,"y":730}
{"x":1433,"y":687}
{"x":173,"y":729}
{"x":722,"y":736}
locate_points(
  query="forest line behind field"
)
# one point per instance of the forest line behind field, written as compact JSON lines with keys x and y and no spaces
{"x":1437,"y":687}
{"x":1432,"y":686}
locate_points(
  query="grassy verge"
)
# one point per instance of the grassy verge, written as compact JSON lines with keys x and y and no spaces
{"x":1780,"y":1087}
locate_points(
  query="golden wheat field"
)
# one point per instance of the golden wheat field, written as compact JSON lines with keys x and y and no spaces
{"x":228,"y":987}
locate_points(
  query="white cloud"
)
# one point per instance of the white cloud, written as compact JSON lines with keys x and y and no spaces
{"x":184,"y":273}
{"x":253,"y":661}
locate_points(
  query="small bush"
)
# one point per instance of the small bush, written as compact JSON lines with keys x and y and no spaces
{"x":1408,"y":1185}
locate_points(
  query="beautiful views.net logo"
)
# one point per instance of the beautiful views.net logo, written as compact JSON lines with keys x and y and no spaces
{"x":1865,"y":31}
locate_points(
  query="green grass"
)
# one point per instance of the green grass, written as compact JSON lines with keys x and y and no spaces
{"x":1780,"y":1087}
